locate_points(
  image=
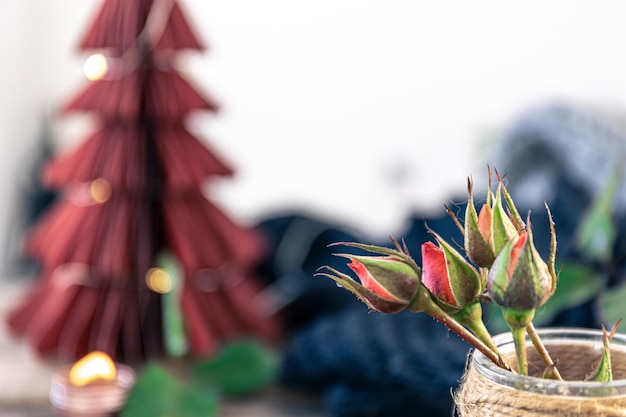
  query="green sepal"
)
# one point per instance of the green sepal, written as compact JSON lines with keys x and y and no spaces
{"x":394,"y":253}
{"x":370,"y":298}
{"x":471,"y":316}
{"x":514,"y":215}
{"x":477,"y":248}
{"x":516,"y":318}
{"x":502,"y":229}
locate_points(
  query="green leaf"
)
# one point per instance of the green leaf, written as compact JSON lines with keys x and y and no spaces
{"x":158,"y":394}
{"x":502,"y":229}
{"x":597,"y":231}
{"x":242,"y":368}
{"x":611,"y":304}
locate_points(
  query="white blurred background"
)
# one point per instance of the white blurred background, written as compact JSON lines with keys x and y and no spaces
{"x":357,"y":110}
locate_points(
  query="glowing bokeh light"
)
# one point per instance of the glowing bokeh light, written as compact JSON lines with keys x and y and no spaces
{"x":96,"y":366}
{"x":100,"y":190}
{"x":159,"y":280}
{"x":96,"y":66}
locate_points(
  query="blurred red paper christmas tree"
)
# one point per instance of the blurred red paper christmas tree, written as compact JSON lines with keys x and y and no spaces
{"x":132,"y":221}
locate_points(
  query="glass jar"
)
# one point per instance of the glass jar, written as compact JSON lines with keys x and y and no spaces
{"x":488,"y":390}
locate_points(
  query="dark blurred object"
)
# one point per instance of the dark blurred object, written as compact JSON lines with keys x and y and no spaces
{"x":134,"y":255}
{"x":298,"y":247}
{"x":377,"y":365}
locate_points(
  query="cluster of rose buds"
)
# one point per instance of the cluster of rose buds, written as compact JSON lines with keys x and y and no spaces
{"x":500,"y":264}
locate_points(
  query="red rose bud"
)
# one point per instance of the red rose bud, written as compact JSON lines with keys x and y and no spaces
{"x":448,"y":276}
{"x":386,"y":275}
{"x":477,"y":231}
{"x":519,"y":279}
{"x":387,"y":284}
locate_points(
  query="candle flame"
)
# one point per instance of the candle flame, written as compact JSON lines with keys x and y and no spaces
{"x":96,"y":366}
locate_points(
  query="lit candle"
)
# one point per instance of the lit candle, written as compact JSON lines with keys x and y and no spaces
{"x":94,"y":386}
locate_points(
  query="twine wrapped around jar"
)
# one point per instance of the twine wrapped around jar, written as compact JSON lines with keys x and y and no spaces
{"x":487,"y":390}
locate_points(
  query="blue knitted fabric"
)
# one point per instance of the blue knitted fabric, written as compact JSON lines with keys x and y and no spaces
{"x":377,"y":365}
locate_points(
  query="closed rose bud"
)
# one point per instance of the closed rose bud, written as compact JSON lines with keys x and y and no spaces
{"x":448,"y":276}
{"x":387,"y":283}
{"x":386,"y":275}
{"x":477,"y":232}
{"x":519,"y":279}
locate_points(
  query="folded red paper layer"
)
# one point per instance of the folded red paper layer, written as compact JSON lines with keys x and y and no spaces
{"x":166,"y":96}
{"x":118,"y":26}
{"x":186,"y":162}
